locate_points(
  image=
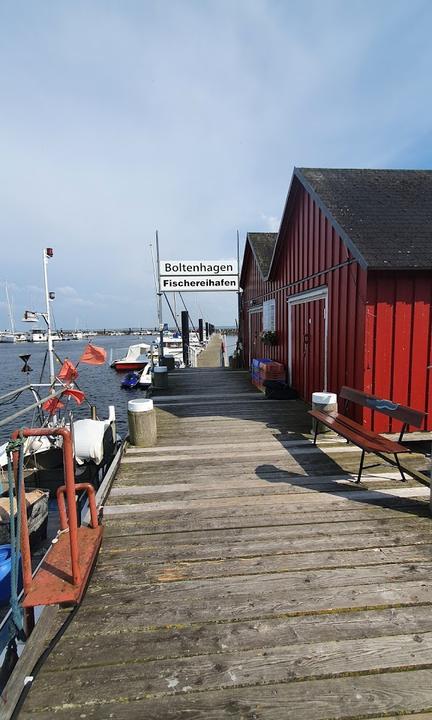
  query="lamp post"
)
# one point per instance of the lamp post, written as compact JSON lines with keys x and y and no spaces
{"x":48,"y":253}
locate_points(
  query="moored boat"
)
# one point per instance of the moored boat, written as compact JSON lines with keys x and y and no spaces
{"x":131,"y":380}
{"x":136,"y":358}
{"x":52,"y":455}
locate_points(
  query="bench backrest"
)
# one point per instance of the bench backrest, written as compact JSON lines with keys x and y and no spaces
{"x":400,"y":412}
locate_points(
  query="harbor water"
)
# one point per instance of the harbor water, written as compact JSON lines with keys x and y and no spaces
{"x":100,"y":383}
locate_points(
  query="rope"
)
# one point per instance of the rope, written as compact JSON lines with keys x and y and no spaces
{"x":43,"y":366}
{"x":15,"y":531}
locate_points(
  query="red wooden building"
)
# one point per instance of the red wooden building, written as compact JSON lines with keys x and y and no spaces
{"x":346,"y":285}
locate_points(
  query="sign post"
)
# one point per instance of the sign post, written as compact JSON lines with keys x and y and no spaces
{"x":161,"y":345}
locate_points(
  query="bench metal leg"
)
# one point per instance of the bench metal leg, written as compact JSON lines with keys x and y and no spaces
{"x":316,"y":431}
{"x":399,"y":467}
{"x":361,"y":466}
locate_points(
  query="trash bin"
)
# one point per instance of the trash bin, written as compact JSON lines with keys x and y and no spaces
{"x":160,"y":377}
{"x":325,"y":402}
{"x":142,"y":423}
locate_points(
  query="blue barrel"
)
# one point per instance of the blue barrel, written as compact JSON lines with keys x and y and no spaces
{"x":5,"y":575}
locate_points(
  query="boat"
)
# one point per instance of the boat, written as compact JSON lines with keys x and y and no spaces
{"x":136,"y":358}
{"x":145,"y":379}
{"x":173,"y":346}
{"x":7,"y":337}
{"x":95,"y":440}
{"x":131,"y":380}
{"x":5,"y":574}
{"x":37,"y":335}
{"x":37,"y":514}
{"x":92,"y":450}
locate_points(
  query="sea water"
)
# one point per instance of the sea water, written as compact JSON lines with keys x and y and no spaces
{"x":101,"y":384}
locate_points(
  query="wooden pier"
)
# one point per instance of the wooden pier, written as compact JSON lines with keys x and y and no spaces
{"x":212,"y":354}
{"x":243,"y":575}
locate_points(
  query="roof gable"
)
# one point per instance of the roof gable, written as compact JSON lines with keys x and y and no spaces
{"x":262,"y":246}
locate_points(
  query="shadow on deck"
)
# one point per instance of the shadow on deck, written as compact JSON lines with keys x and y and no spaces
{"x":243,"y":575}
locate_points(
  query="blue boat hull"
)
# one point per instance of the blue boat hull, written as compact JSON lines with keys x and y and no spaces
{"x":130,"y":381}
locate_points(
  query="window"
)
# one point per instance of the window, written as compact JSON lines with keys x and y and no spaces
{"x":269,"y":315}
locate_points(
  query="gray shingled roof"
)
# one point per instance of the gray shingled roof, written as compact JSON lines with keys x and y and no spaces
{"x":386,"y":214}
{"x":263,"y":245}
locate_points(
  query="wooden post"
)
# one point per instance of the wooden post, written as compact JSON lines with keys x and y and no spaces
{"x":201,"y":330}
{"x":185,"y":336}
{"x":207,"y":330}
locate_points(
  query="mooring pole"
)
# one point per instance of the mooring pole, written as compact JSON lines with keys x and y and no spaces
{"x":185,"y":335}
{"x":200,"y":330}
{"x":207,"y":330}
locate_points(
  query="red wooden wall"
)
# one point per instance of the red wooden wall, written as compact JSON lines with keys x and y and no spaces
{"x":379,"y":323}
{"x":398,"y":345}
{"x":309,"y":245}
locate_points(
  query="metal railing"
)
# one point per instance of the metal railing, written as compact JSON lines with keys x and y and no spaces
{"x":37,"y":404}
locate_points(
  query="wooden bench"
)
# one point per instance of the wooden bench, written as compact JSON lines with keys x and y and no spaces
{"x":366,"y":440}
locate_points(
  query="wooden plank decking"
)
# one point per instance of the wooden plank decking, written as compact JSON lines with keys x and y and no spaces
{"x":242,"y":575}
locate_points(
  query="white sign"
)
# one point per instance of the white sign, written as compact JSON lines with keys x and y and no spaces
{"x":198,"y":275}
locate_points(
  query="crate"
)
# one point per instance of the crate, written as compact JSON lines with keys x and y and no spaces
{"x":265,"y":369}
{"x":272,"y":371}
{"x":256,"y":365}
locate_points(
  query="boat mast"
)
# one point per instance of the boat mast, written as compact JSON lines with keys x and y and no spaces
{"x":48,"y":253}
{"x":12,"y":325}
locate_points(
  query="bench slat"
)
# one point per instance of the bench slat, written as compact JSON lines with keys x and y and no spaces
{"x":355,"y":433}
{"x":349,"y":422}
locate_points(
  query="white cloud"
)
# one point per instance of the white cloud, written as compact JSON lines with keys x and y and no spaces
{"x":187,"y":116}
{"x":271,"y":223}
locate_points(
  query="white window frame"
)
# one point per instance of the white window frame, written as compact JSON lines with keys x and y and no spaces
{"x":269,"y":315}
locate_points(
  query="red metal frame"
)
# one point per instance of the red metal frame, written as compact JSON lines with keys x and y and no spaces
{"x":53,"y":583}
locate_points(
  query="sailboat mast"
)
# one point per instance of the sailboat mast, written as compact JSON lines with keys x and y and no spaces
{"x":47,"y":253}
{"x":11,"y":320}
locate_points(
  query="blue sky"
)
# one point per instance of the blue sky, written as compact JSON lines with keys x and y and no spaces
{"x":117,"y":118}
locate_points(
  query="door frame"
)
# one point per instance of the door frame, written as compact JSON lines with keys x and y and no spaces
{"x":320,"y":293}
{"x":252,"y":311}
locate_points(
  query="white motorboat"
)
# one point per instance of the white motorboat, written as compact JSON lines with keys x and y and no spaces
{"x":173,"y":345}
{"x":7,"y":337}
{"x":37,"y":335}
{"x":136,"y":357}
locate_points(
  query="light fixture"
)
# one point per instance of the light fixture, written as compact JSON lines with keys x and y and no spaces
{"x":30,"y":316}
